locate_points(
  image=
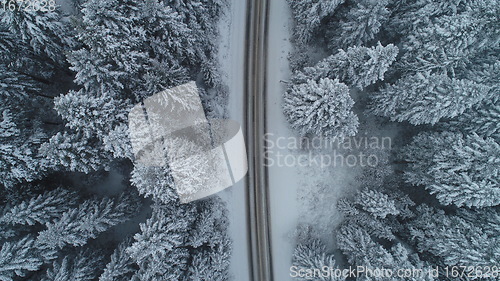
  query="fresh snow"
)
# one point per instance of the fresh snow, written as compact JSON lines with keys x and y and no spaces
{"x":231,"y":55}
{"x":283,"y":181}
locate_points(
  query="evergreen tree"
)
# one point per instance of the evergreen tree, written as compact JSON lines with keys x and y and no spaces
{"x":460,"y":170}
{"x":450,"y":42}
{"x":211,"y":264}
{"x":311,"y":254}
{"x":362,"y":23}
{"x":321,"y":108}
{"x":481,"y":120}
{"x":357,"y":67}
{"x":18,"y":159}
{"x":453,"y":239}
{"x":155,"y":182}
{"x":14,"y":85}
{"x":19,"y":257}
{"x":308,"y":15}
{"x":76,"y":226}
{"x":75,"y":152}
{"x":376,"y":203}
{"x":83,"y":266}
{"x":362,"y":250}
{"x":121,"y":266}
{"x":43,"y":30}
{"x":41,"y":209}
{"x":159,"y":249}
{"x":427,"y":98}
{"x":92,"y":115}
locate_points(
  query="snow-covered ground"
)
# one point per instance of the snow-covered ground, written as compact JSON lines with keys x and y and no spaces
{"x":231,"y":50}
{"x":283,"y":181}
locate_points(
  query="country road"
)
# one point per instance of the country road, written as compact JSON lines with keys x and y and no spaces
{"x":255,"y":63}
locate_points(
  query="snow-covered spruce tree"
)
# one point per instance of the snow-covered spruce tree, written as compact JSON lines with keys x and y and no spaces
{"x":361,"y":24}
{"x":212,"y":245}
{"x":90,"y":114}
{"x":84,"y":265}
{"x":170,"y":38}
{"x":159,"y":249}
{"x":121,"y":267}
{"x":201,"y":18}
{"x":44,"y":31}
{"x":311,"y":253}
{"x":155,"y":182}
{"x":211,"y":264}
{"x":426,"y":98}
{"x":75,"y":151}
{"x":459,"y":170}
{"x":76,"y":226}
{"x":357,"y":67}
{"x":17,"y":258}
{"x":183,"y":242}
{"x":362,"y":250}
{"x":374,"y":217}
{"x":376,"y":203}
{"x":487,"y":218}
{"x":482,"y":119}
{"x":18,"y":159}
{"x":41,"y":209}
{"x":453,"y":239}
{"x":308,"y":15}
{"x":321,"y":108}
{"x":452,"y":41}
{"x":15,"y":86}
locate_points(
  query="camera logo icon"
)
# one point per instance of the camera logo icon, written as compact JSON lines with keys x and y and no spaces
{"x":170,"y":130}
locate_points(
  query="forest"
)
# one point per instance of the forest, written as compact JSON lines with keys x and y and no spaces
{"x":68,"y":77}
{"x":430,"y":68}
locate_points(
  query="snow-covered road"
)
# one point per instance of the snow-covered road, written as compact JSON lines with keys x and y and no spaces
{"x":283,"y":180}
{"x":231,"y":57}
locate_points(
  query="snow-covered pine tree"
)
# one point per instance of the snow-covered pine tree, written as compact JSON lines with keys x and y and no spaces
{"x":18,"y":159}
{"x":357,"y":67}
{"x":376,"y":203}
{"x":322,"y":108}
{"x":84,"y":265}
{"x":453,"y":239}
{"x":76,"y":226}
{"x":159,"y":249}
{"x":210,"y":226}
{"x":121,"y":267}
{"x":155,"y":182}
{"x":41,"y":209}
{"x":362,"y":23}
{"x":371,"y":223}
{"x":17,"y":258}
{"x":211,"y":242}
{"x":451,"y":42}
{"x":311,"y":253}
{"x":44,"y":31}
{"x":482,"y":120}
{"x":459,"y":170}
{"x":308,"y":15}
{"x":362,"y":250}
{"x":89,"y":114}
{"x":211,"y":264}
{"x":14,"y":85}
{"x":75,"y":151}
{"x":169,"y":37}
{"x":426,"y":98}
